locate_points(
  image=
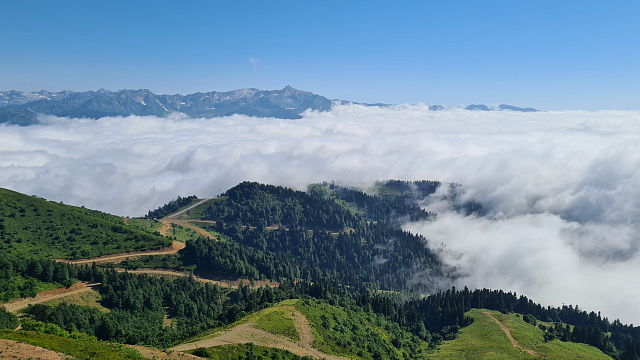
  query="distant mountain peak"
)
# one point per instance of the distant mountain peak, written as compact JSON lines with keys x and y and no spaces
{"x":482,"y":107}
{"x":22,"y":108}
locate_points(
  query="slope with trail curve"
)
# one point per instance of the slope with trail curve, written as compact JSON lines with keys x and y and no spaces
{"x":248,"y":333}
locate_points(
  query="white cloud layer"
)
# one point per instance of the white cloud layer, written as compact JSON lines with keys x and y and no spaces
{"x":562,"y":189}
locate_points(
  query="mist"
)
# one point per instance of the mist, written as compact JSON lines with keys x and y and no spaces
{"x":560,"y":190}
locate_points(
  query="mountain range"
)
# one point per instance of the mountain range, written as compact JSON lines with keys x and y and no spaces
{"x":22,"y":108}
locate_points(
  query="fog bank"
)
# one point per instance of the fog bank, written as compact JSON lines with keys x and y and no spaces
{"x":561,"y":189}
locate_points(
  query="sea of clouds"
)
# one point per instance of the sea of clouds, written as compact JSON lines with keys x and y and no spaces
{"x":560,"y":190}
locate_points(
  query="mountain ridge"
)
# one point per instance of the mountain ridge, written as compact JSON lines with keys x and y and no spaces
{"x":22,"y":108}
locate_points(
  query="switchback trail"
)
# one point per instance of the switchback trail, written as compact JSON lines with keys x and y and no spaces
{"x":508,"y":332}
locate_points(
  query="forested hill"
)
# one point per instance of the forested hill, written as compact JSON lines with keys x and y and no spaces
{"x":328,"y":233}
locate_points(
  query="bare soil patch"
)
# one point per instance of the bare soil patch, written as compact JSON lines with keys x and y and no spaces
{"x":10,"y":349}
{"x":116,"y":258}
{"x":303,"y":328}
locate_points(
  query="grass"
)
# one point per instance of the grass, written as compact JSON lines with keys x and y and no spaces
{"x":145,"y":224}
{"x":348,"y":332}
{"x":198,"y":211}
{"x":244,"y":351}
{"x":386,"y":190}
{"x":354,"y":333}
{"x":88,"y":298}
{"x":531,"y":337}
{"x":211,"y":230}
{"x":351,"y":207}
{"x":83,"y":348}
{"x":484,"y":339}
{"x":33,"y":227}
{"x":183,"y":234}
{"x":276,"y":320}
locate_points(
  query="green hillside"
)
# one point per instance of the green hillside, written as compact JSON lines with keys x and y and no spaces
{"x":79,"y":346}
{"x":485,"y":339}
{"x":33,"y":227}
{"x":313,"y":327}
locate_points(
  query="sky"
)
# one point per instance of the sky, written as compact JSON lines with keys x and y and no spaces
{"x":551,"y":55}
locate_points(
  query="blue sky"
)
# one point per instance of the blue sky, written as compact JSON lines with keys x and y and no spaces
{"x":552,"y":55}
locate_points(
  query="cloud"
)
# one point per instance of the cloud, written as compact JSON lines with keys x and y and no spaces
{"x":255,"y":63}
{"x":560,"y":189}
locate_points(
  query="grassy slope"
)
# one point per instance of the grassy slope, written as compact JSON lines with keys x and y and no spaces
{"x":346,"y":332}
{"x":145,"y":224}
{"x":79,"y":348}
{"x":89,"y":298}
{"x":276,"y":320}
{"x":484,"y":339}
{"x":354,"y":333}
{"x":33,"y":227}
{"x":198,"y":211}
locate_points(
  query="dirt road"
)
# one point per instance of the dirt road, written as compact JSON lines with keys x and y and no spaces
{"x":43,"y":296}
{"x":116,"y":258}
{"x":175,"y":215}
{"x":164,"y":229}
{"x":247,"y":333}
{"x":224,"y":282}
{"x":508,"y":332}
{"x":187,"y":224}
